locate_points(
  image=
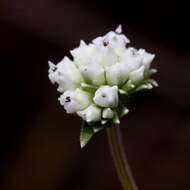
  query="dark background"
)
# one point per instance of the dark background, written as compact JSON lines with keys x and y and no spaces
{"x":39,"y":142}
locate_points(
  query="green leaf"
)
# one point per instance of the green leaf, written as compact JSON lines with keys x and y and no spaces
{"x":86,"y":134}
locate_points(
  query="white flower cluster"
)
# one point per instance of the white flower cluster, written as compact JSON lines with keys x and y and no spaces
{"x":92,"y":82}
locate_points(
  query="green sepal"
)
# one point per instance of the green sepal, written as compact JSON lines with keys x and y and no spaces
{"x":86,"y":134}
{"x":103,"y":122}
{"x":99,"y":126}
{"x":96,"y":128}
{"x":146,"y":85}
{"x":151,"y":72}
{"x":128,"y":86}
{"x":124,"y":111}
{"x":88,"y":87}
{"x":116,"y":119}
{"x":153,"y":82}
{"x":122,"y":92}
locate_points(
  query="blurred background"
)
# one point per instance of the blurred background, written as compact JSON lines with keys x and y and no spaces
{"x":40,"y":143}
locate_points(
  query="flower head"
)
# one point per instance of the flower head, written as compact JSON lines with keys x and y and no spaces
{"x":100,"y":73}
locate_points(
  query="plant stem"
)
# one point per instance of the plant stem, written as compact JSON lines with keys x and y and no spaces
{"x":118,"y":154}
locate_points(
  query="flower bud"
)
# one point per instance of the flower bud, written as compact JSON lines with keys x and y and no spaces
{"x":74,"y":101}
{"x":91,"y":114}
{"x":93,"y":74}
{"x":137,"y":75}
{"x":65,"y":74}
{"x":117,"y":74}
{"x":116,"y":40}
{"x":83,"y":53}
{"x":147,"y":59}
{"x":106,"y":56}
{"x":107,"y":113}
{"x":131,"y":59}
{"x":107,"y":96}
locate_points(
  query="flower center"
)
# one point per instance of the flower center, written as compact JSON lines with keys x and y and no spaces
{"x":104,"y":95}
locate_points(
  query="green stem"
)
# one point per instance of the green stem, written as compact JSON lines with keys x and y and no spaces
{"x":118,"y":154}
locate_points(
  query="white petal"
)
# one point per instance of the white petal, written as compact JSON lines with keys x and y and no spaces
{"x":93,"y":74}
{"x":117,"y":74}
{"x":74,"y":101}
{"x":98,"y":41}
{"x":52,"y":66}
{"x":137,"y":75}
{"x":91,"y":114}
{"x":131,"y":57}
{"x":104,"y":56}
{"x":107,"y":113}
{"x":116,"y":41}
{"x":83,"y":53}
{"x":119,"y":29}
{"x":65,"y":74}
{"x":147,"y":58}
{"x":109,"y":57}
{"x":106,"y":96}
{"x":112,"y":39}
{"x":81,"y":49}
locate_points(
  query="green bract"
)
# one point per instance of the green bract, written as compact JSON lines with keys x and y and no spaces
{"x":101,"y":76}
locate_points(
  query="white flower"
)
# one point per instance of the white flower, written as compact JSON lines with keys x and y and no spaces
{"x":106,"y":96}
{"x":65,"y":74}
{"x":107,"y":113}
{"x":91,"y":114}
{"x":74,"y":101}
